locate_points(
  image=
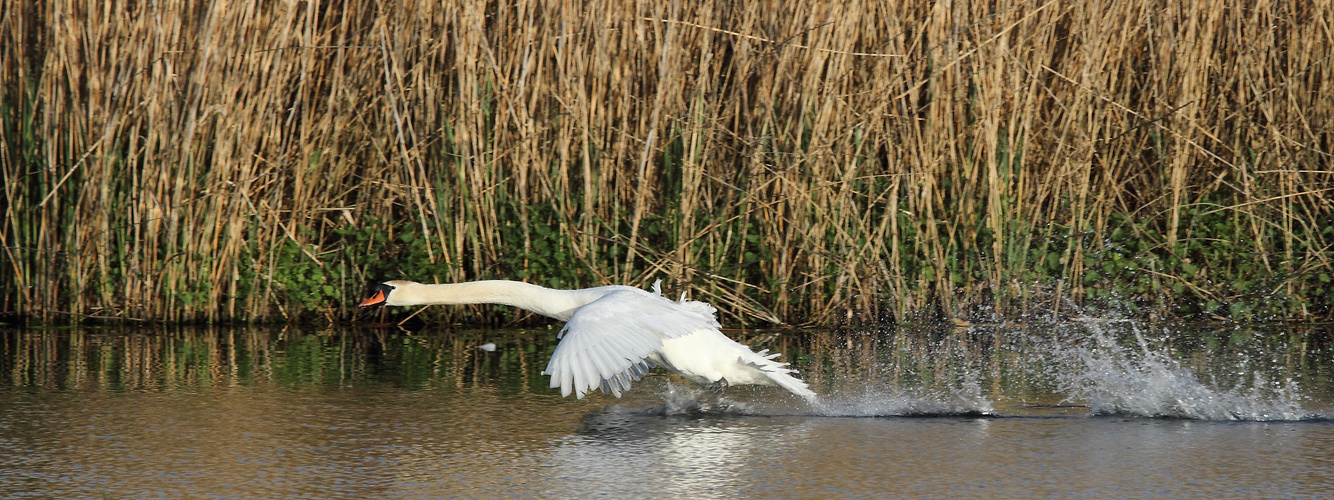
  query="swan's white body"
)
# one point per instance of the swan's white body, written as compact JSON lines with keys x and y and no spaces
{"x":615,"y":334}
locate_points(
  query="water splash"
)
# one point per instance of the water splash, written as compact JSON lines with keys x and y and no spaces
{"x":1147,"y":382}
{"x":966,"y":400}
{"x":1068,"y":370}
{"x":689,"y":400}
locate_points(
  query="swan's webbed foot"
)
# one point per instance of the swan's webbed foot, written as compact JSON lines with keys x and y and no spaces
{"x":718,"y":387}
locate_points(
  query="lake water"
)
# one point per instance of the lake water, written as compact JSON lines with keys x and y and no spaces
{"x":1103,"y":410}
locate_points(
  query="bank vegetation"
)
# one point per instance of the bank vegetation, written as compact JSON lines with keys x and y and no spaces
{"x":793,"y":162}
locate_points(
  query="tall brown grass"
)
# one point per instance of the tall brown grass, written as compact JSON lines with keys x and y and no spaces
{"x":789,"y":161}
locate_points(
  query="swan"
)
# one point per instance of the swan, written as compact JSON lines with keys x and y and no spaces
{"x":614,"y":334}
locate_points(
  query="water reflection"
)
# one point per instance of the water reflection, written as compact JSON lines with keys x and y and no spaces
{"x":956,"y":370}
{"x":167,"y":359}
{"x":383,"y":413}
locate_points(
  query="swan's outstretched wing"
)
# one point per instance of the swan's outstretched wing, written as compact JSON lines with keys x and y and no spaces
{"x":606,"y":343}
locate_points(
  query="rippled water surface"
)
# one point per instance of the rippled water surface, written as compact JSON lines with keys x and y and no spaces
{"x":1089,"y":411}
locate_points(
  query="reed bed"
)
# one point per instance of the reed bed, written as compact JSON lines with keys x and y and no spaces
{"x":793,"y":162}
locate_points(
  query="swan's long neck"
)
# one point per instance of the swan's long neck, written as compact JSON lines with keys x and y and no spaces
{"x":559,"y":304}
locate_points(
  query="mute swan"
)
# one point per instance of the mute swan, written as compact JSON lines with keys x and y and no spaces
{"x":614,"y":334}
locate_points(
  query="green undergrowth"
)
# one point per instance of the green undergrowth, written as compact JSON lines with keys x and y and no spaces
{"x":1218,"y":269}
{"x":1128,"y":270}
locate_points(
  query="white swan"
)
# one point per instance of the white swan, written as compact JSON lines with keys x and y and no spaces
{"x":615,"y":334}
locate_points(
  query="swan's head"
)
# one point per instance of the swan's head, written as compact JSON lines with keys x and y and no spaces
{"x":384,"y":294}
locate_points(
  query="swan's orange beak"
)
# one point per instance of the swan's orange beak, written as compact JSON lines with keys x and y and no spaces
{"x":375,"y":300}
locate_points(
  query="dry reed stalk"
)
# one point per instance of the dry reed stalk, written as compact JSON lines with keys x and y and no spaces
{"x":804,"y":161}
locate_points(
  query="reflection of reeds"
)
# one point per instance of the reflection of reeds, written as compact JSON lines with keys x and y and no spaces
{"x":222,"y":357}
{"x":1012,"y":363}
{"x":802,"y":161}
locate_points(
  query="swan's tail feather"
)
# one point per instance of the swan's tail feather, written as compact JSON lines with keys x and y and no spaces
{"x":767,"y":355}
{"x":780,"y":374}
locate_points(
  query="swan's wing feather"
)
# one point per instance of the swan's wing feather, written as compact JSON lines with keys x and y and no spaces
{"x":608,"y":342}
